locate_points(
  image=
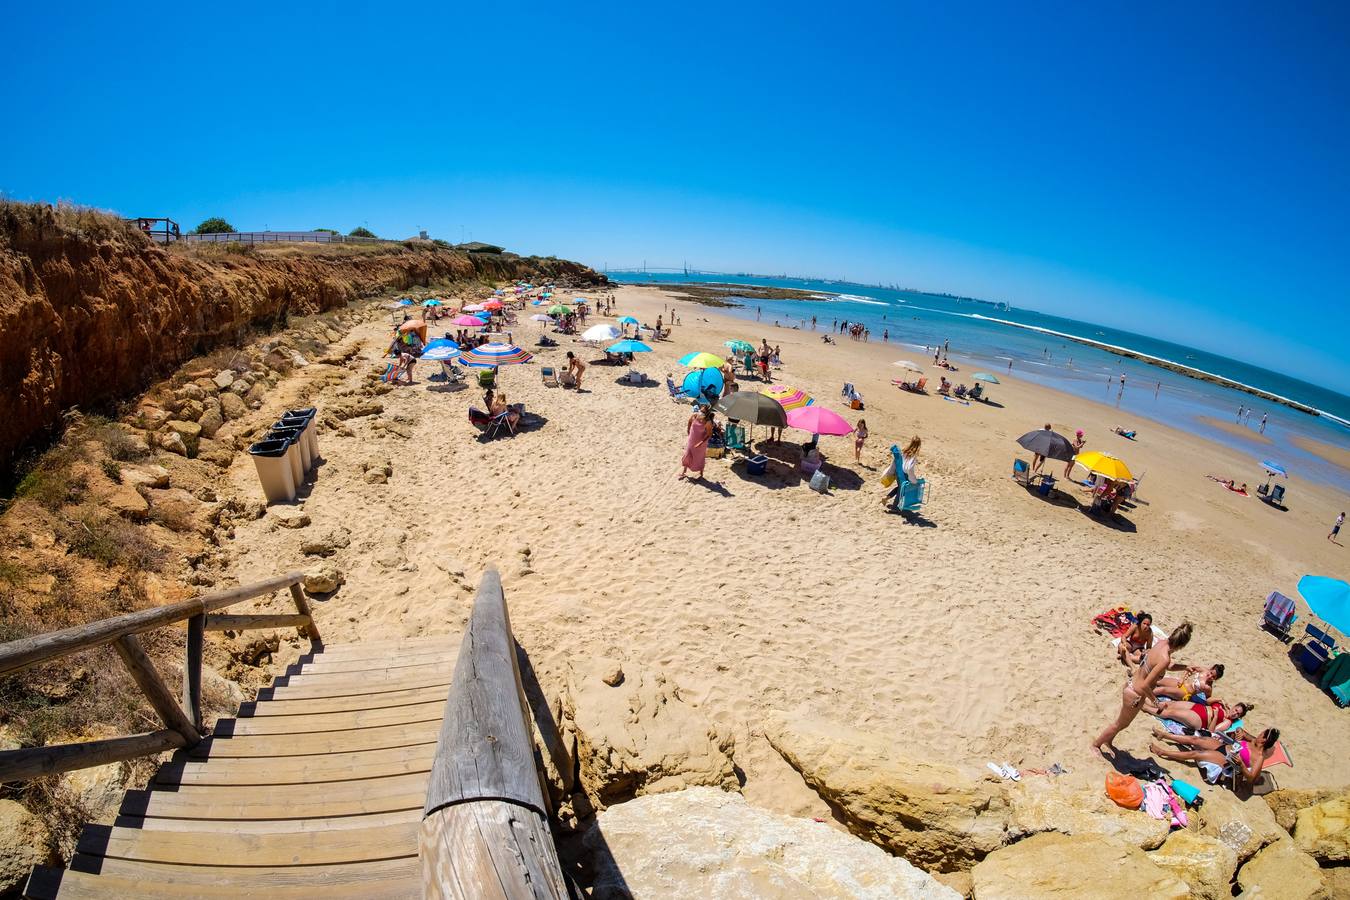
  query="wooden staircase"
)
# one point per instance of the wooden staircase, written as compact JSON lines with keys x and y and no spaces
{"x":316,"y":789}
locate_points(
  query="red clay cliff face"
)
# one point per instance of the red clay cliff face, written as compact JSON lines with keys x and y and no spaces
{"x":91,"y":311}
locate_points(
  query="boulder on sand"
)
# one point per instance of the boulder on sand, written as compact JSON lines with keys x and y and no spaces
{"x":1076,"y":804}
{"x":935,"y":815}
{"x":23,"y":844}
{"x":323,"y":579}
{"x":1287,"y":802}
{"x":1067,"y":867}
{"x":1245,"y":825}
{"x":641,"y":737}
{"x":703,"y":842}
{"x":1323,"y":831}
{"x":233,"y":407}
{"x":1207,"y":864}
{"x":1284,"y":871}
{"x":190,"y":432}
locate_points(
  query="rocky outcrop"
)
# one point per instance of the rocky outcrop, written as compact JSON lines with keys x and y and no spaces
{"x":1284,"y":871}
{"x":641,"y":736}
{"x":22,"y":841}
{"x":1205,"y":863}
{"x":1076,"y":804}
{"x":92,"y":310}
{"x":935,"y":815}
{"x":1063,"y":867}
{"x":1245,"y":825}
{"x":1323,"y":831}
{"x":703,"y":842}
{"x":1286,"y":802}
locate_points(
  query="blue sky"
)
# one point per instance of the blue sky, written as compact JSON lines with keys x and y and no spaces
{"x":1175,"y":169}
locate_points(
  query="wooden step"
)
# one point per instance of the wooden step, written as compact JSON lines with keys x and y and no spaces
{"x":312,"y":848}
{"x":95,"y":877}
{"x":292,"y":745}
{"x":324,"y":666}
{"x":384,"y":649}
{"x":431,"y":711}
{"x":342,"y":798}
{"x":383,"y":673}
{"x":346,"y":703}
{"x":410,"y":813}
{"x":341,"y":686}
{"x":268,"y":770}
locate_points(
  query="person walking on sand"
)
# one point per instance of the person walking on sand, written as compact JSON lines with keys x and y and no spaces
{"x":1078,"y":443}
{"x":1139,"y":689}
{"x":1336,"y":529}
{"x":1264,"y":416}
{"x":859,"y":436}
{"x":695,"y":456}
{"x":1238,"y":420}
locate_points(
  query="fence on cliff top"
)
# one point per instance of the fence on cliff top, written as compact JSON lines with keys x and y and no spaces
{"x":280,"y":237}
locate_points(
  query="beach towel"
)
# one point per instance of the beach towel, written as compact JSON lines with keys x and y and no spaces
{"x":1115,"y":621}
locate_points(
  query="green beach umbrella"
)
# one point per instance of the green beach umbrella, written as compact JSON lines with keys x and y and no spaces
{"x":985,"y":376}
{"x":558,"y":309}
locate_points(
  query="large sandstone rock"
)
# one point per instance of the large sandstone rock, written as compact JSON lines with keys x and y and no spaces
{"x":224,"y":379}
{"x":1246,"y":826}
{"x":1282,"y":872}
{"x":127,"y":502}
{"x":1286,"y":802}
{"x":147,"y":476}
{"x":1206,"y":864}
{"x":23,"y":844}
{"x":641,"y":737}
{"x":1077,"y":804}
{"x":935,"y":815}
{"x":1069,"y":867}
{"x":1323,"y":831}
{"x":211,"y":420}
{"x":323,"y":579}
{"x":190,"y":432}
{"x":703,"y":842}
{"x":326,"y":543}
{"x":233,"y":406}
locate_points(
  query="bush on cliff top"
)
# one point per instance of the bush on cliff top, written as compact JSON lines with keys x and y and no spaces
{"x":214,"y":225}
{"x":358,"y":231}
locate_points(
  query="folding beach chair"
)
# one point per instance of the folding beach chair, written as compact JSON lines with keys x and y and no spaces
{"x":1279,"y":615}
{"x":910,"y":496}
{"x":1021,"y":472}
{"x":490,"y":425}
{"x":1317,"y":647}
{"x":735,"y":437}
{"x":550,"y":376}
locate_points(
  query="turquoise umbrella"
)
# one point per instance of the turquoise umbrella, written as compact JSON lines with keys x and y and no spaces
{"x":628,"y":347}
{"x":628,"y":320}
{"x":985,"y":376}
{"x":703,"y":384}
{"x":1329,"y":599}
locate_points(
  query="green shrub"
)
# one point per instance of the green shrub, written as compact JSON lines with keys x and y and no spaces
{"x":361,"y":232}
{"x":112,"y":542}
{"x":52,"y":482}
{"x":213,"y":225}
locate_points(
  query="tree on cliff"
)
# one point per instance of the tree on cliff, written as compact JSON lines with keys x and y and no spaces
{"x":358,"y":231}
{"x":213,"y":225}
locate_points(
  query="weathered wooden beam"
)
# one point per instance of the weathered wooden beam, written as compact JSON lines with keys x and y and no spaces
{"x":192,"y":669}
{"x":32,"y":762}
{"x":244,"y":623}
{"x":302,"y":607}
{"x":489,"y":850}
{"x":143,"y":671}
{"x":20,"y":654}
{"x":485,"y":829}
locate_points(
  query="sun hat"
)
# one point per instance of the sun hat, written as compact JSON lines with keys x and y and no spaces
{"x":1080,"y":432}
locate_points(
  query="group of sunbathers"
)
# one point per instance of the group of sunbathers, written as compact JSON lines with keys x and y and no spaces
{"x":1208,"y":731}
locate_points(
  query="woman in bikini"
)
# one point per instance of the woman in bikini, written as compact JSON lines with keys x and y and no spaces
{"x":1136,"y":642}
{"x":1197,"y":682}
{"x":1212,"y":716}
{"x":1139,"y":689}
{"x":1218,"y":759}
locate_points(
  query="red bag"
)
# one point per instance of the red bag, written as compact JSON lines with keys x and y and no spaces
{"x":1125,"y":790}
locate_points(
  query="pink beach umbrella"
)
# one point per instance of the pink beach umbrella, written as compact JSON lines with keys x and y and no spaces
{"x":468,"y":322}
{"x":818,"y":420}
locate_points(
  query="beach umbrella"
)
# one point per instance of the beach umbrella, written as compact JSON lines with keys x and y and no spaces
{"x":1274,"y":468}
{"x":580,"y":300}
{"x":440,"y":350}
{"x":985,"y":376}
{"x":1050,"y":444}
{"x":412,"y":325}
{"x":536,"y":302}
{"x":788,"y":397}
{"x":627,"y":320}
{"x":739,"y":346}
{"x":540,"y":317}
{"x":493,"y":304}
{"x":558,"y":309}
{"x":1103,"y":464}
{"x":817,"y":420}
{"x":468,"y":321}
{"x":473,"y":307}
{"x":495,"y":355}
{"x":702,"y":361}
{"x":705,"y":384}
{"x":757,"y":409}
{"x":906,"y":364}
{"x":1329,"y":599}
{"x":406,"y":301}
{"x":602,"y":332}
{"x":628,"y":347}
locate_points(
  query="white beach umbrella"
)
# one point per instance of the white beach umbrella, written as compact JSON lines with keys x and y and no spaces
{"x":603,"y":332}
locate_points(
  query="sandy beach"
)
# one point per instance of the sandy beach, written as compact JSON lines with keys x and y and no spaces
{"x":966,"y":637}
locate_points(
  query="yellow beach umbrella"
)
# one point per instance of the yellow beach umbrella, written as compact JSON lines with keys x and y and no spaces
{"x":1104,"y":464}
{"x":702,"y":361}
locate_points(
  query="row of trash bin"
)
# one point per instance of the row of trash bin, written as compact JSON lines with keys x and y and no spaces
{"x":289,"y":450}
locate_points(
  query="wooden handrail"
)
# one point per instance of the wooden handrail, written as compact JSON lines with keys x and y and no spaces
{"x":485,"y":829}
{"x":18,"y":655}
{"x":182,"y":723}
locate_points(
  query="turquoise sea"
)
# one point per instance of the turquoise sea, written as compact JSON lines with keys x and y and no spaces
{"x":979,"y":331}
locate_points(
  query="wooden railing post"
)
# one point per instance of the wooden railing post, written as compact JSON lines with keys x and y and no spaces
{"x":147,"y":677}
{"x":485,"y":829}
{"x":192,"y":669}
{"x":302,"y":606}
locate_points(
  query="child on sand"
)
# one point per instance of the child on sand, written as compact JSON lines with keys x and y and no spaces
{"x":859,"y":435}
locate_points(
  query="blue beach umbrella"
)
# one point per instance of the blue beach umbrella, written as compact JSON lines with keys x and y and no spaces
{"x":705,"y":384}
{"x":440,"y":350}
{"x":1274,"y":467}
{"x":628,"y":320}
{"x":628,"y":347}
{"x":405,"y":302}
{"x":1329,"y":599}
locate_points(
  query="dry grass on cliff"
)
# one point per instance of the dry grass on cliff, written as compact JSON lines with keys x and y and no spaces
{"x":69,"y":219}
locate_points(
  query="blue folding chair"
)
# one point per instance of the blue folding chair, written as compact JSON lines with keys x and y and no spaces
{"x":910,"y":496}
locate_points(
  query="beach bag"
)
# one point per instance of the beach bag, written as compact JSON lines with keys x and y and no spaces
{"x":1188,"y":792}
{"x":1124,"y":790}
{"x":820,"y":482}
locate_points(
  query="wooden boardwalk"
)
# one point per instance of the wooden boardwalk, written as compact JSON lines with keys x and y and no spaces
{"x":316,"y":789}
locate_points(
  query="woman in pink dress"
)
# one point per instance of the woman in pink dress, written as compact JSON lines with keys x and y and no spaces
{"x":696,"y":449}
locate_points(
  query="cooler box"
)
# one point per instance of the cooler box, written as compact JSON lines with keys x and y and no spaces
{"x":757,"y":465}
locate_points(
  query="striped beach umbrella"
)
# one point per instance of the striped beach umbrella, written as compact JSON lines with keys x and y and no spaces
{"x":440,"y":350}
{"x":788,"y":397}
{"x":495,"y":355}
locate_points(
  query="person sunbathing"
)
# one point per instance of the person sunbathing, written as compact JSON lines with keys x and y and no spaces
{"x":1211,"y":716}
{"x":499,"y":406}
{"x":1136,"y":642}
{"x":1197,"y":682}
{"x":1125,"y":434}
{"x":1218,"y":759}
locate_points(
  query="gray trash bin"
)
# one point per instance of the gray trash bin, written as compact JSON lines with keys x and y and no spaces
{"x":301,"y":439}
{"x":274,"y":470}
{"x":310,"y":414}
{"x":292,"y":437}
